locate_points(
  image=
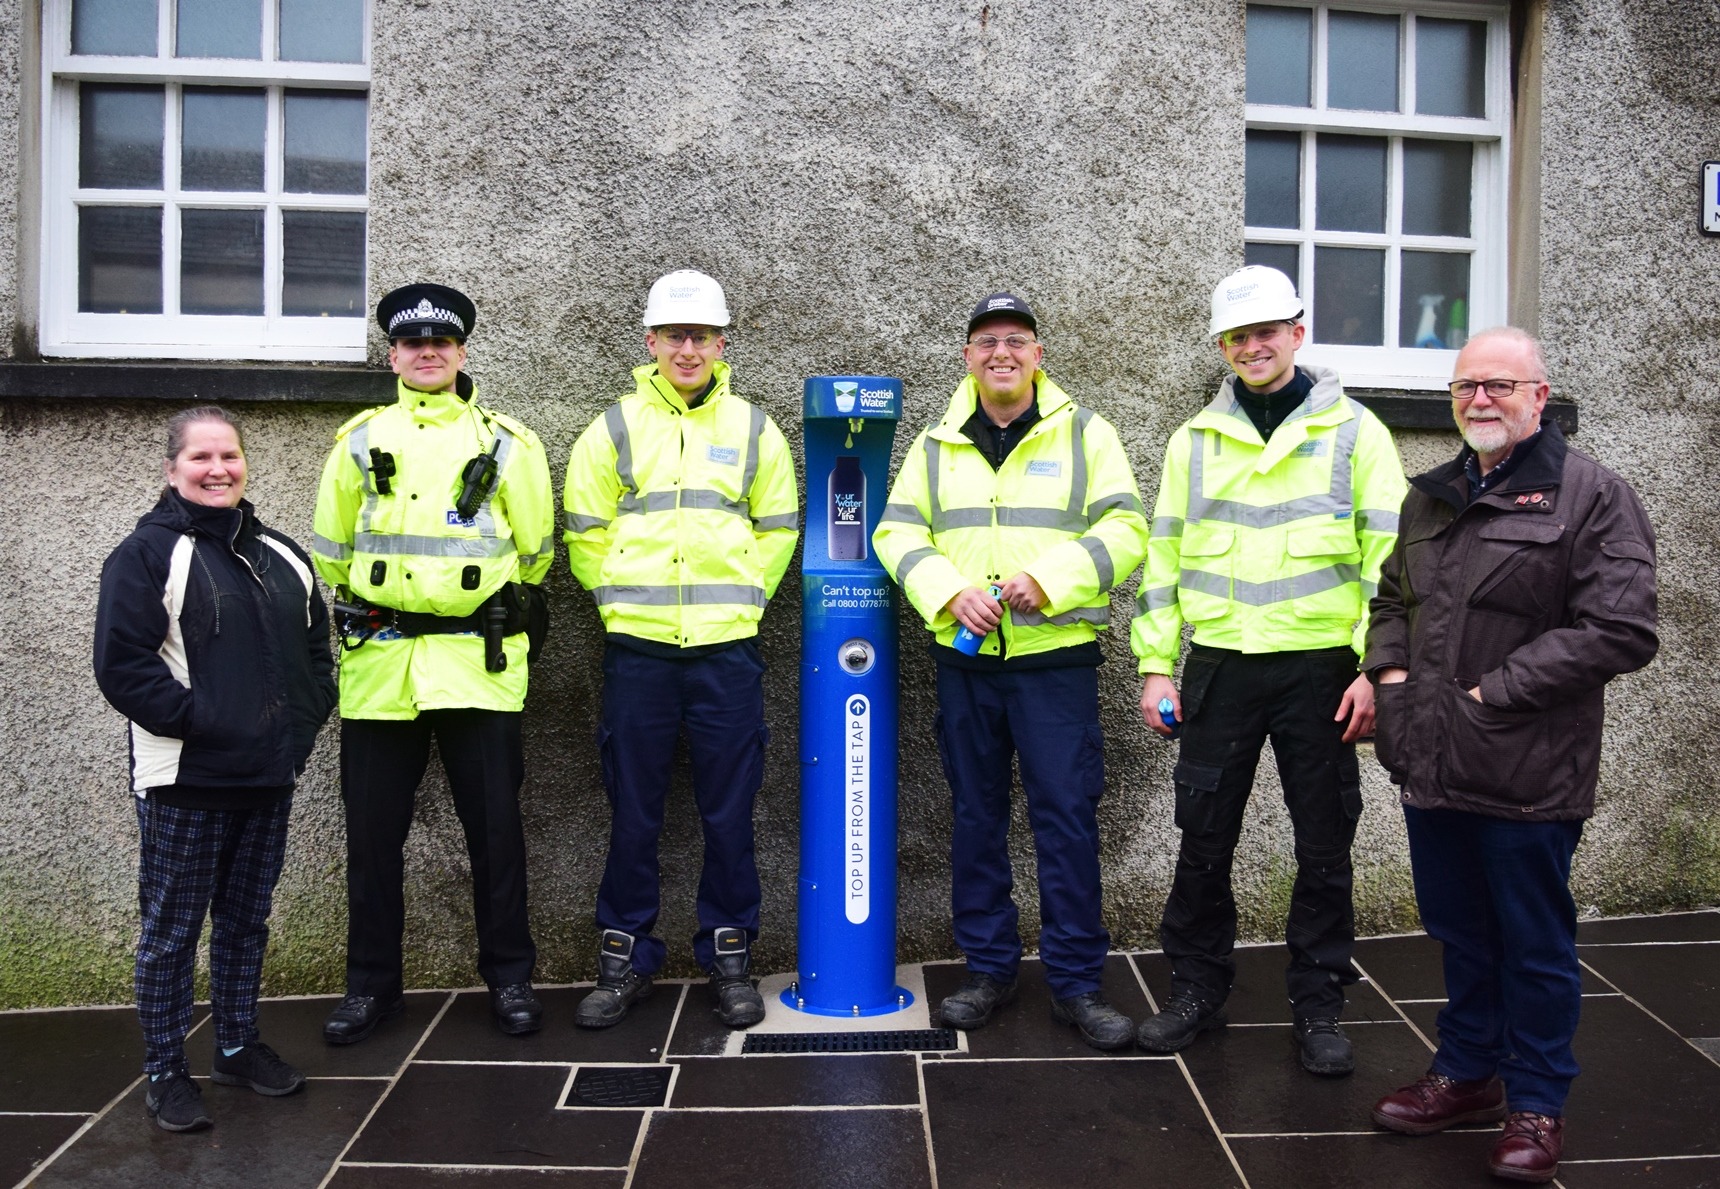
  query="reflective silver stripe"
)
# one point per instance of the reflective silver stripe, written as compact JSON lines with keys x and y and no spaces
{"x":1374,"y":521}
{"x":1078,"y":469}
{"x":1127,"y":501}
{"x":765,"y":524}
{"x":902,"y":514}
{"x":388,"y":545}
{"x":1060,"y":519}
{"x":712,"y":501}
{"x":699,"y":594}
{"x":358,"y":445}
{"x":1334,"y":503}
{"x":755,"y":431}
{"x":578,"y":522}
{"x":1101,"y":561}
{"x":334,"y":550}
{"x":527,"y":560}
{"x":1279,"y":590}
{"x":485,"y":519}
{"x":933,"y":449}
{"x":1155,"y":599}
{"x":963,"y":518}
{"x":633,"y":503}
{"x":911,"y":559}
{"x":1167,"y":526}
{"x":615,"y":421}
{"x":1369,"y":590}
{"x":1033,"y":619}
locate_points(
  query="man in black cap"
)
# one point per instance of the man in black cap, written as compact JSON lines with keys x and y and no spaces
{"x":1008,"y":525}
{"x":434,"y":520}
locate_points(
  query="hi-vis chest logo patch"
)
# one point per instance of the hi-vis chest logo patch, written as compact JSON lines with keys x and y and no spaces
{"x":723,"y":455}
{"x":1044,"y":468}
{"x":1313,"y":449}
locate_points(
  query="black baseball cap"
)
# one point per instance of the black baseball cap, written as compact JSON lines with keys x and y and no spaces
{"x":1002,"y":303}
{"x":426,"y":311}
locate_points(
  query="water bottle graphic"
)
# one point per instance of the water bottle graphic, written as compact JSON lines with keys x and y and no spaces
{"x":847,"y":510}
{"x":845,"y":393}
{"x":967,"y":641}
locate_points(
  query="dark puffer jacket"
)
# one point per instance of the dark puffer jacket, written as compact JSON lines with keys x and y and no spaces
{"x":229,"y":693}
{"x":1539,"y":592}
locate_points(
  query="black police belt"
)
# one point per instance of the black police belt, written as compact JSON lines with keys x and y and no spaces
{"x":360,"y":617}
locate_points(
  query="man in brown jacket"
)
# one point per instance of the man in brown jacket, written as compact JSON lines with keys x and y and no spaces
{"x":1521,"y":583}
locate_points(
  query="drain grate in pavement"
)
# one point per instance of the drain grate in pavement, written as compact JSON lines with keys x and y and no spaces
{"x":645,"y":1085}
{"x":917,"y":1040}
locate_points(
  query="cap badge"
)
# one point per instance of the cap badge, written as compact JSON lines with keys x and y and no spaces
{"x":425,"y":309}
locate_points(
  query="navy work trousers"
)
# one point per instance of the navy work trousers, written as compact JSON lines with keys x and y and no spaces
{"x":381,"y":764}
{"x":1232,"y":702}
{"x":1049,"y":718}
{"x":719,"y":699}
{"x":1495,"y":894}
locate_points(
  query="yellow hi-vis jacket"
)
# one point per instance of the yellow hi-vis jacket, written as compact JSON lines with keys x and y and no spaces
{"x":1063,"y":508}
{"x":681,"y":522}
{"x":1269,"y":546}
{"x":410,"y":551}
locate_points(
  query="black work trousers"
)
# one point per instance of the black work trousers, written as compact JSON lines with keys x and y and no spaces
{"x":1232,"y":702}
{"x":381,"y":764}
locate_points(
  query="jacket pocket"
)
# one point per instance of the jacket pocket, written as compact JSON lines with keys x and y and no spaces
{"x":1328,"y":558}
{"x":1204,"y":587}
{"x":1391,"y":708}
{"x":1487,"y":749}
{"x":1515,"y":553}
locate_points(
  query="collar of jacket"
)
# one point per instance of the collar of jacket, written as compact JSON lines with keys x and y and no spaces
{"x":173,"y":511}
{"x":439,"y":408}
{"x":1050,"y":399}
{"x":650,"y":384}
{"x":1324,"y":407}
{"x":1541,"y":471}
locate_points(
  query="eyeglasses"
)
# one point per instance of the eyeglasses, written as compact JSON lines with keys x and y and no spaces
{"x":1252,"y":334}
{"x":1497,"y":389}
{"x":989,"y":342}
{"x":677,"y":338}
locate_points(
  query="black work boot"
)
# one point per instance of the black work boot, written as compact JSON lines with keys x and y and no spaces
{"x":618,"y":984}
{"x":738,"y":1001}
{"x":1175,"y":1026}
{"x":972,"y":1004}
{"x":1100,"y":1024}
{"x":1323,"y":1048}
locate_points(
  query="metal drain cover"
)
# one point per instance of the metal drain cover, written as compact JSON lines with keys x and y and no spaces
{"x":643,"y":1085}
{"x":913,"y":1041}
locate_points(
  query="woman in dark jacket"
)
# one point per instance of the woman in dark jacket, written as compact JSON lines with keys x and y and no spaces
{"x":212,"y":639}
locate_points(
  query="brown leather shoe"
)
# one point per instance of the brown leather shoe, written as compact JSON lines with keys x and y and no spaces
{"x":1530,"y":1148}
{"x":1434,"y":1102}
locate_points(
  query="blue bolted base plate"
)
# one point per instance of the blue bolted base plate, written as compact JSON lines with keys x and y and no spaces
{"x":900,"y":1001}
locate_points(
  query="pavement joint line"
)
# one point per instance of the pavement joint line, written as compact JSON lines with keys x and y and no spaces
{"x":1083,"y":1059}
{"x":1643,"y":1008}
{"x":926,"y":1117}
{"x":674,"y":1023}
{"x":393,"y":1081}
{"x":1626,"y":945}
{"x":785,"y":1109}
{"x":1211,"y":1122}
{"x":1386,"y":995}
{"x":1341,"y":1020}
{"x":645,"y":1119}
{"x":1641,"y":1159}
{"x":1379,"y":1131}
{"x":46,"y":1114}
{"x":484,"y":1167}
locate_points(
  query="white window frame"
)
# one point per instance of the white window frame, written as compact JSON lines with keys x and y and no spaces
{"x":1411,"y":368}
{"x":65,"y":331}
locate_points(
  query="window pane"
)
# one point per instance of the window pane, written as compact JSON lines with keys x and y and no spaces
{"x":322,"y":30}
{"x":1350,"y":190}
{"x":221,"y":262}
{"x":325,"y":142}
{"x":1349,"y":296}
{"x":324,"y":266}
{"x":119,"y":136}
{"x":1450,"y":67}
{"x":1273,"y":179}
{"x":1435,"y":310}
{"x":1436,"y":175}
{"x":119,"y":259}
{"x":1280,"y":55}
{"x":220,"y":29}
{"x":1286,"y":258}
{"x":122,"y":27}
{"x":1362,"y":61}
{"x":221,"y":138}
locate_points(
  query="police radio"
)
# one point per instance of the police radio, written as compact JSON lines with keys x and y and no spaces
{"x":382,"y":466}
{"x":477,"y":480}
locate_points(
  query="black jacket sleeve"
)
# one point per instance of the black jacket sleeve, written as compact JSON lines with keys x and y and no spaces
{"x":131,"y":626}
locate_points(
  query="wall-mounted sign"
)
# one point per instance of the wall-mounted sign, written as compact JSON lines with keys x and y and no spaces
{"x":1711,"y":197}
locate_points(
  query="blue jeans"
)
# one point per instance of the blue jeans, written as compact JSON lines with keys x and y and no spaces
{"x":1494,"y":893}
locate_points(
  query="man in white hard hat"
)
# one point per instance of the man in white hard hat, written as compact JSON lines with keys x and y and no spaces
{"x":1277,"y":504}
{"x":680,"y":518}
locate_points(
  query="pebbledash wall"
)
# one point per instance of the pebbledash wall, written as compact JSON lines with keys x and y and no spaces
{"x":856,"y":174}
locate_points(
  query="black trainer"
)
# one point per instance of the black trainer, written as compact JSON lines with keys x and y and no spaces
{"x":972,"y":1005}
{"x":357,"y":1017}
{"x":738,"y":1001}
{"x":1181,"y":1020}
{"x":176,"y":1103}
{"x":516,"y":1008}
{"x":1100,"y":1024}
{"x":1323,"y":1047}
{"x":619,"y":986}
{"x":257,"y":1066}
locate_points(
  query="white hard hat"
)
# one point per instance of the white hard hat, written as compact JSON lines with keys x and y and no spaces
{"x":686,"y":297}
{"x":1253,"y":294}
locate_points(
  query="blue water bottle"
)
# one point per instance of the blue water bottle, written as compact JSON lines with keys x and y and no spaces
{"x":1168,"y":716}
{"x":967,"y":641}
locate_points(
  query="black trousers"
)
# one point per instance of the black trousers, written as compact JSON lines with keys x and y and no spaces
{"x":381,"y":764}
{"x":1232,"y":703}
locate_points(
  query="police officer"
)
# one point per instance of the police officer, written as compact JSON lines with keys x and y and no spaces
{"x":434,"y":523}
{"x":680,"y":518}
{"x":1013,"y":517}
{"x":1277,"y":504}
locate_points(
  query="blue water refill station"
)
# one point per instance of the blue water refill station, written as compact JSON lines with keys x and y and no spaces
{"x":848,"y":675}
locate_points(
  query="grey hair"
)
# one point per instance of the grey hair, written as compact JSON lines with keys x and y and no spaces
{"x":1521,"y":337}
{"x":186,"y":418}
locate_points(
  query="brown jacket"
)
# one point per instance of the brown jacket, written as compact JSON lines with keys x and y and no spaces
{"x":1539,"y":592}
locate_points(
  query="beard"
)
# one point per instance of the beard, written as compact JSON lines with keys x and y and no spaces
{"x":1494,"y":436}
